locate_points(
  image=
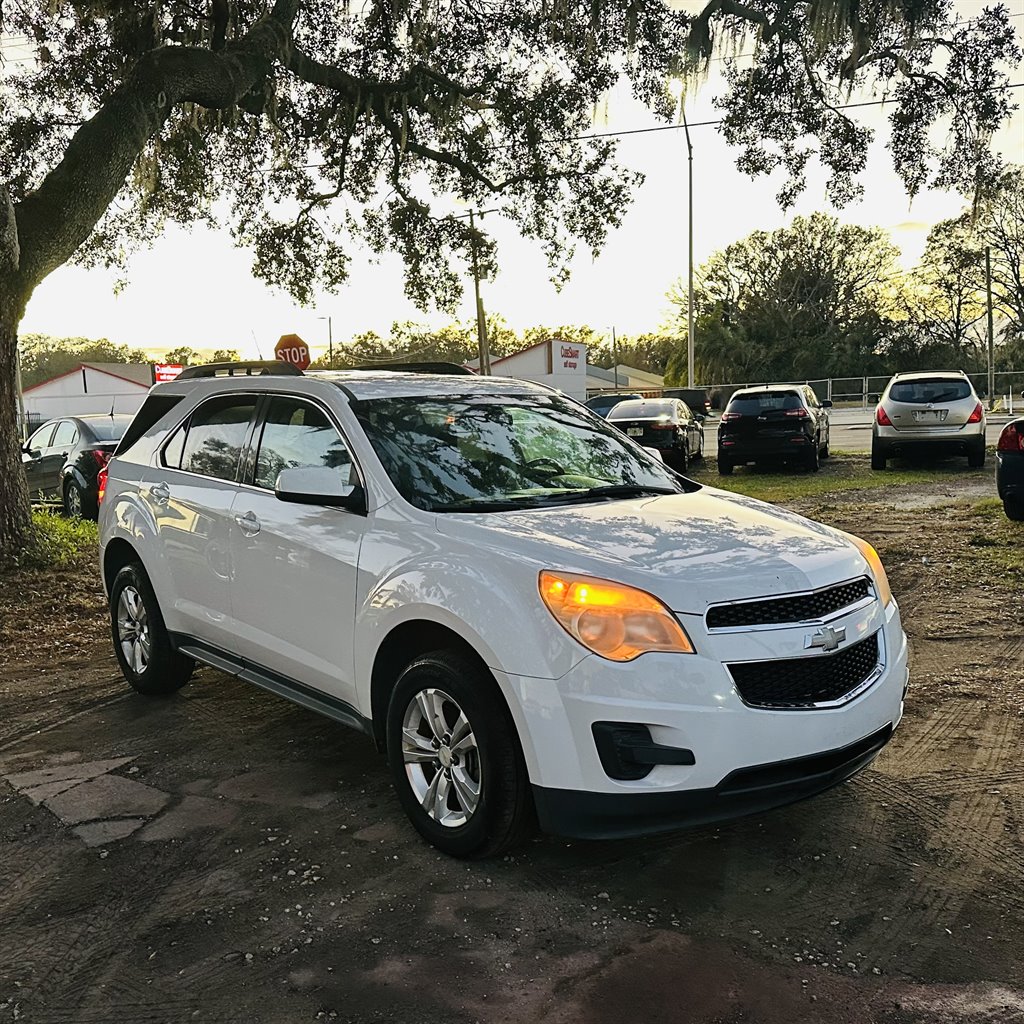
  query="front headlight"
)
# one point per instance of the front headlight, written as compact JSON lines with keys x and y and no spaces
{"x":877,"y":570}
{"x":615,"y":621}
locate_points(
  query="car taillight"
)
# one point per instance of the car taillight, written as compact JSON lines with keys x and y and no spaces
{"x":726,"y":416}
{"x":1011,"y":439}
{"x":663,"y":426}
{"x":101,"y":457}
{"x":881,"y":418}
{"x":975,"y":416}
{"x":101,"y":483}
{"x":800,"y":414}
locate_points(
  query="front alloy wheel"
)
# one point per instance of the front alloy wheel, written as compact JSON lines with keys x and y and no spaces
{"x":455,"y":757}
{"x":442,"y":762}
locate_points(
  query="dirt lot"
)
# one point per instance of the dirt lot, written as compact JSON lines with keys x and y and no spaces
{"x":265,"y":872}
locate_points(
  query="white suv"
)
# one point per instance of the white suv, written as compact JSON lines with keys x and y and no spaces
{"x":529,"y":613}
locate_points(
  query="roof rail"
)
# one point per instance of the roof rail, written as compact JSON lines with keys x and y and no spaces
{"x":250,"y":368}
{"x":428,"y":367}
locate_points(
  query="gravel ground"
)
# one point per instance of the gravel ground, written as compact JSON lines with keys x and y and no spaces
{"x":225,"y":856}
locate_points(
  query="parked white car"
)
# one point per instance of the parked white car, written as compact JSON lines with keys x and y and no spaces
{"x":530,"y":614}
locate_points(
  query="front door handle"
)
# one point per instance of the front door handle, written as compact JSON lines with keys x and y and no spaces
{"x":248,"y":524}
{"x":160,"y":493}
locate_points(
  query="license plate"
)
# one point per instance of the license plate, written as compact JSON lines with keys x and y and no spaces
{"x":930,"y":415}
{"x":635,"y":431}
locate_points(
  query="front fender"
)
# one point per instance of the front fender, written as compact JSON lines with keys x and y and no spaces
{"x":495,"y":608}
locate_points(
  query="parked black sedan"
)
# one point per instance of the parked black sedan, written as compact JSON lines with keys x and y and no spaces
{"x":776,"y":421}
{"x":603,"y":404}
{"x":61,"y":459}
{"x":663,"y":423}
{"x":1010,"y":469}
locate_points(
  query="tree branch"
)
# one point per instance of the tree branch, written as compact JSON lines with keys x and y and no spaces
{"x":60,"y":215}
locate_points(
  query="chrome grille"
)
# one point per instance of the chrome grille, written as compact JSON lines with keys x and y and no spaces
{"x":780,"y":610}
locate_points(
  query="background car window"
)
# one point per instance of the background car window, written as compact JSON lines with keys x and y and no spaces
{"x":921,"y":392}
{"x":42,"y":437}
{"x":216,"y":436}
{"x":295,"y":435}
{"x":643,"y":409}
{"x":765,"y":401}
{"x":682,"y":412}
{"x":66,"y":435}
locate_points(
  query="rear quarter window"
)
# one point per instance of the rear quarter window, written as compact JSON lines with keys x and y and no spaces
{"x":153,"y":410}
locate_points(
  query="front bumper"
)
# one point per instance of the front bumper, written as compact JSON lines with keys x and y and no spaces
{"x":745,"y":791}
{"x":744,"y":759}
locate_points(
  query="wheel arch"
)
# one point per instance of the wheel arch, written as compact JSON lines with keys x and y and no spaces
{"x":400,"y":647}
{"x":117,"y":554}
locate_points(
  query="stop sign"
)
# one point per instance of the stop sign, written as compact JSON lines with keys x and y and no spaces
{"x":292,"y":349}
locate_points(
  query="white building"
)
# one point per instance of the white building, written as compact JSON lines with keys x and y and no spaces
{"x":90,"y":388}
{"x":559,"y":364}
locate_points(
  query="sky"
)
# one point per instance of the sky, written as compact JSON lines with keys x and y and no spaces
{"x":195,"y":288}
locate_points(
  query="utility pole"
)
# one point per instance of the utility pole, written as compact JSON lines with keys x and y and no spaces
{"x":481,"y":322}
{"x":330,"y":339}
{"x":689,"y":301}
{"x":615,"y":360}
{"x":991,"y":338}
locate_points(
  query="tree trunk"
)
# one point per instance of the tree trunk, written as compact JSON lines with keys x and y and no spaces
{"x":14,"y":505}
{"x":15,"y":516}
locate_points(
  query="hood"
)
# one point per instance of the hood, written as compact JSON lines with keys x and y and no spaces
{"x":690,"y":550}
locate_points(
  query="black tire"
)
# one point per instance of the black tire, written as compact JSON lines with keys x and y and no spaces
{"x":879,"y":458}
{"x":681,"y":461}
{"x":976,"y":455}
{"x":700,"y":448}
{"x":504,"y":815}
{"x":724,"y":467}
{"x":813,"y":459}
{"x":77,"y":504}
{"x":1014,"y":508}
{"x":825,"y":453}
{"x":164,"y":670}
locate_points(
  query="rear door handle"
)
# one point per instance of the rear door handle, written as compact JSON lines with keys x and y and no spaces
{"x":248,"y":524}
{"x":160,"y":493}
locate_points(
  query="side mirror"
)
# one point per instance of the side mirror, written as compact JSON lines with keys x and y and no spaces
{"x":654,"y":453}
{"x":319,"y":485}
{"x":32,"y":453}
{"x":700,"y":417}
{"x":826,"y":403}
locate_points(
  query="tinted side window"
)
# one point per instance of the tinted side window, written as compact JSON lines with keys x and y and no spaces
{"x":171,"y":456}
{"x":65,"y":436}
{"x":296,"y":435}
{"x":216,"y":436}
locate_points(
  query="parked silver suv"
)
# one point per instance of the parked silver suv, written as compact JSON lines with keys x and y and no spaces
{"x":935,"y":410}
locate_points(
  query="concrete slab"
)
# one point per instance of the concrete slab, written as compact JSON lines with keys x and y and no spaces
{"x":79,"y":772}
{"x":109,"y":796}
{"x":99,"y":833}
{"x":191,"y":815}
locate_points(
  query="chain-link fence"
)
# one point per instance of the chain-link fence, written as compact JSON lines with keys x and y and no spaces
{"x":843,"y":392}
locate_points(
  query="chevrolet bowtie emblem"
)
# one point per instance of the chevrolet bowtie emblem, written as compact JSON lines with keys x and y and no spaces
{"x":826,"y":638}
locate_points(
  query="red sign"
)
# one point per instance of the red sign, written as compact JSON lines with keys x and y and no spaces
{"x":166,"y":371}
{"x":292,"y":349}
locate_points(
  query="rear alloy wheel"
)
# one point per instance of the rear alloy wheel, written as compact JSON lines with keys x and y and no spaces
{"x":1014,"y":508}
{"x":878,"y":455}
{"x":976,"y":455}
{"x":143,"y":648}
{"x":724,"y":466}
{"x":76,"y":505}
{"x":455,"y":758}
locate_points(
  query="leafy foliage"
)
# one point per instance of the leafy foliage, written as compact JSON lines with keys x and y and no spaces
{"x":44,"y":357}
{"x":57,"y":540}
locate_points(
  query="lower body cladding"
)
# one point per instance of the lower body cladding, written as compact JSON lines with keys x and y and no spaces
{"x":666,"y":741}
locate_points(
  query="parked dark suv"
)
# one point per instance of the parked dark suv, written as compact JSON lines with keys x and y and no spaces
{"x":773,"y":421}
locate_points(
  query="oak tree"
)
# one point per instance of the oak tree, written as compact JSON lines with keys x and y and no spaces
{"x":323,"y":132}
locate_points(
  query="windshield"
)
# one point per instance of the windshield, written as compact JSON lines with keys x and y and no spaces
{"x":921,"y":392}
{"x":501,"y":452}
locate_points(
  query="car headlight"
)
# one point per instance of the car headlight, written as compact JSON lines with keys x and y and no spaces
{"x":877,"y":569}
{"x":615,"y":621}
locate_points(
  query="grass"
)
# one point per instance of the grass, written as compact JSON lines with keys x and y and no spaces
{"x":843,"y":472}
{"x":58,"y":541}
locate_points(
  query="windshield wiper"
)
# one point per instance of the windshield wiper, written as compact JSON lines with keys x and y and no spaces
{"x":618,"y":491}
{"x":486,"y":505}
